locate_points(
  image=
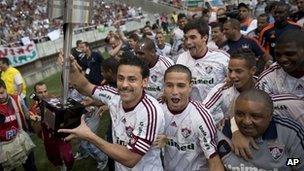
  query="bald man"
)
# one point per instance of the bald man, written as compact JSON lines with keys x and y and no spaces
{"x":279,"y":138}
{"x":145,"y":49}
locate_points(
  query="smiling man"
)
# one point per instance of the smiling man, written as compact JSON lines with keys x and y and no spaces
{"x":220,"y":100}
{"x":189,"y":128}
{"x":209,"y":67}
{"x":279,"y":138}
{"x":287,"y":75}
{"x":137,"y":118}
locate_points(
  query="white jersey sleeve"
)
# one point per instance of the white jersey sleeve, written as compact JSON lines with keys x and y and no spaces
{"x":266,"y":80}
{"x":206,"y":131}
{"x":104,"y":94}
{"x":148,"y":124}
{"x":289,"y":105}
{"x":213,"y":102}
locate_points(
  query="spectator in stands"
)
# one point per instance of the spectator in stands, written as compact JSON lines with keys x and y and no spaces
{"x":16,"y":145}
{"x":260,"y":8}
{"x":270,"y":34}
{"x":76,"y":52}
{"x":148,"y":32}
{"x":91,"y":64}
{"x":58,"y":152}
{"x":209,"y":67}
{"x":217,"y":34}
{"x":162,"y":47}
{"x":15,"y":84}
{"x":298,"y":16}
{"x":263,"y":21}
{"x":178,"y":34}
{"x":247,"y":22}
{"x":254,"y":118}
{"x":221,"y":16}
{"x":133,"y":39}
{"x":235,"y":41}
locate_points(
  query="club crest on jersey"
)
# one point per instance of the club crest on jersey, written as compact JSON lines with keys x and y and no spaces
{"x":208,"y":69}
{"x":129,"y":131}
{"x":185,"y":132}
{"x":154,"y":78}
{"x":276,"y":151}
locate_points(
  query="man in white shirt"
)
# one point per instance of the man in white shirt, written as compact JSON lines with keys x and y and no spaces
{"x":178,"y":34}
{"x":145,"y":49}
{"x":190,"y":142}
{"x":209,"y":67}
{"x":220,"y":100}
{"x":287,"y":75}
{"x":162,"y":47}
{"x":137,"y":118}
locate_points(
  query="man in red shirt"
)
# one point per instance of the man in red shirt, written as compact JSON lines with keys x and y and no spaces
{"x":15,"y":144}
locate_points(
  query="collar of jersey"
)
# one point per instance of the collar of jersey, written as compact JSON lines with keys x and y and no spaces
{"x":271,"y":131}
{"x":132,"y":108}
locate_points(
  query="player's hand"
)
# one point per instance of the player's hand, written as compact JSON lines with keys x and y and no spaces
{"x":241,"y":145}
{"x":82,"y":131}
{"x":161,"y":141}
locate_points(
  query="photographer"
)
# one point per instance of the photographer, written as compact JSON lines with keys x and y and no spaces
{"x":15,"y":144}
{"x":58,"y":151}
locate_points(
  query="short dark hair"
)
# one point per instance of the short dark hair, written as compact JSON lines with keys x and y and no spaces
{"x":5,"y":60}
{"x":179,"y":68}
{"x":87,"y":44}
{"x":234,"y":23}
{"x":2,"y":84}
{"x":243,"y":5}
{"x":216,"y":24}
{"x":245,"y":54}
{"x":181,"y":15}
{"x":257,"y":95}
{"x":134,"y":36}
{"x":198,"y":24}
{"x":78,"y":42}
{"x":110,"y":64}
{"x":38,"y":84}
{"x":135,"y":61}
{"x":293,"y":35}
{"x":264,"y":15}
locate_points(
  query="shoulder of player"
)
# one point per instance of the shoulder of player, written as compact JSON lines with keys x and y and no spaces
{"x":215,"y":94}
{"x":284,"y":97}
{"x":217,"y":53}
{"x":199,"y":111}
{"x":107,"y":88}
{"x":286,"y":127}
{"x":268,"y":72}
{"x":150,"y":104}
{"x":165,"y":61}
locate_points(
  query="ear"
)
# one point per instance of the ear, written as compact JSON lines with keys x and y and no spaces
{"x":253,"y":70}
{"x":205,"y":38}
{"x":145,"y":82}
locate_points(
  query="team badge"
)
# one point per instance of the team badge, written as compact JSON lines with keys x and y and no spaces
{"x":186,"y":132}
{"x":154,"y":78}
{"x":133,"y":140}
{"x":209,"y":69}
{"x":276,"y":151}
{"x":129,"y":131}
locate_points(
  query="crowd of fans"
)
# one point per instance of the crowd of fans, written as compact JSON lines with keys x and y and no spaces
{"x":29,"y":18}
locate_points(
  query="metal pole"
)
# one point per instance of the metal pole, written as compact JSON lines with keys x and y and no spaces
{"x":67,"y":45}
{"x":66,"y":63}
